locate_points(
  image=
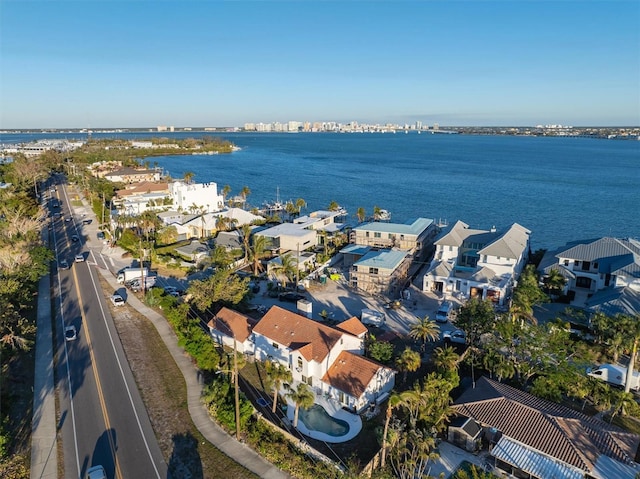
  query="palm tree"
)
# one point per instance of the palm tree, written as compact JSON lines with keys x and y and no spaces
{"x":288,"y":266}
{"x":555,"y":282}
{"x":504,"y":369}
{"x":303,"y":397}
{"x":300,"y":203}
{"x":258,"y":251}
{"x":445,"y":359}
{"x":425,"y":330}
{"x":246,"y":237}
{"x":361,"y":214}
{"x":334,"y":206}
{"x":394,"y":401}
{"x":244,"y":192}
{"x":277,"y":375}
{"x":188,"y":177}
{"x":226,"y":189}
{"x":377,"y":211}
{"x":408,"y":361}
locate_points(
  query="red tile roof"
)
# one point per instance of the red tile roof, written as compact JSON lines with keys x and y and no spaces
{"x":313,"y":340}
{"x":232,"y":323}
{"x":555,"y":430}
{"x":353,"y":326}
{"x":142,"y":188}
{"x":351,"y":373}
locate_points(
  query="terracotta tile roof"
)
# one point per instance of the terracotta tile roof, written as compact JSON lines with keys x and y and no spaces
{"x":313,"y":340}
{"x":352,"y":326}
{"x":351,"y":373}
{"x":227,"y":321}
{"x":555,"y":430}
{"x":142,"y":188}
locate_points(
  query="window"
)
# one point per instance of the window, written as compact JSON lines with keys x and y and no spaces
{"x":595,"y":265}
{"x":309,"y":381}
{"x":373,"y":270}
{"x":377,"y":235}
{"x":566,"y":262}
{"x":275,"y":346}
{"x":341,"y":397}
{"x":366,"y":234}
{"x":586,"y":266}
{"x":304,"y":378}
{"x":401,"y":237}
{"x":299,"y":363}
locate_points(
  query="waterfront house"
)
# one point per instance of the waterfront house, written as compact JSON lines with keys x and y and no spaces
{"x":478,"y":263}
{"x":381,"y":271}
{"x":132,"y":175}
{"x":601,"y":274}
{"x":534,"y":438}
{"x":196,"y":197}
{"x":140,"y":197}
{"x":414,"y":237}
{"x":228,"y":326}
{"x":329,"y":360}
{"x":304,"y":232}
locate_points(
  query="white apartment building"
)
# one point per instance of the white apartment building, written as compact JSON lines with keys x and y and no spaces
{"x":196,"y":197}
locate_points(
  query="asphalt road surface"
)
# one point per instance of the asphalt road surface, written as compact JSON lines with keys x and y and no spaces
{"x":102,"y":417}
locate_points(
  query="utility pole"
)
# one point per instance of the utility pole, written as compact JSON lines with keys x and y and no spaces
{"x":237,"y":399}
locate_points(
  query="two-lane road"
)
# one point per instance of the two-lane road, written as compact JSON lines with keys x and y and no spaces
{"x":102,"y":417}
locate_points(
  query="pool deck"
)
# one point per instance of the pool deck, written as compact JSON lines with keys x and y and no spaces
{"x":354,"y":421}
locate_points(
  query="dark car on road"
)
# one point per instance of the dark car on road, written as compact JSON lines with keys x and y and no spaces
{"x":290,"y":297}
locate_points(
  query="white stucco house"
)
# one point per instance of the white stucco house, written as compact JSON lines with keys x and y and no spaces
{"x":478,"y":263}
{"x":329,"y":360}
{"x":228,"y":325}
{"x":196,"y":197}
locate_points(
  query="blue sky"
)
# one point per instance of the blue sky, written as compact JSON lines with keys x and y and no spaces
{"x":204,"y":63}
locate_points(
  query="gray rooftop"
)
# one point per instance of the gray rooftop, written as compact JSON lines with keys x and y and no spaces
{"x":415,"y":227}
{"x":384,"y":258}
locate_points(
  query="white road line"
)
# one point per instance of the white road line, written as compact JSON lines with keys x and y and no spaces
{"x":135,"y":412}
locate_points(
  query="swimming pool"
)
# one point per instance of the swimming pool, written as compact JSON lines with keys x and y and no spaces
{"x":317,"y":419}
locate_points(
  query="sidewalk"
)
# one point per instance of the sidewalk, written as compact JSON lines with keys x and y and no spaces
{"x":237,"y":451}
{"x":44,"y":451}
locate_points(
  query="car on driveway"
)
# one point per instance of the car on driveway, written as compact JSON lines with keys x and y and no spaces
{"x":290,"y":297}
{"x":70,"y":333}
{"x":456,"y":336}
{"x":117,"y":300}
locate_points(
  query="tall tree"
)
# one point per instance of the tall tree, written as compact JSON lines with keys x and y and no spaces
{"x":221,"y":287}
{"x":475,"y":318}
{"x":334,"y":206}
{"x":408,"y":361}
{"x":302,"y":397}
{"x":188,"y":177}
{"x":259,"y":249}
{"x":361,"y":214}
{"x":277,"y":375}
{"x":244,"y":192}
{"x":445,"y":359}
{"x":246,"y":240}
{"x":394,"y":401}
{"x":425,"y":330}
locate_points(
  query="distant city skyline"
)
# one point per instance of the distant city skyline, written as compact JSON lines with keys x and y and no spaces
{"x":134,"y":64}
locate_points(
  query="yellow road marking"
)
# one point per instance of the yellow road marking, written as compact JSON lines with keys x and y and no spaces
{"x":105,"y":414}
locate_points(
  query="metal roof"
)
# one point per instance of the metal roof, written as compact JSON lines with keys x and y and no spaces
{"x":536,"y":464}
{"x":384,"y":258}
{"x":415,"y":227}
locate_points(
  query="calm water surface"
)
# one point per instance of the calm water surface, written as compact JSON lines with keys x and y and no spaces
{"x":562,"y":189}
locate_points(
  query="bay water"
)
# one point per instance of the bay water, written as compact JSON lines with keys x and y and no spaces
{"x":561,"y":188}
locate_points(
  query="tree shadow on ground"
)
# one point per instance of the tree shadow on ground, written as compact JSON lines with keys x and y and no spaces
{"x":185,"y":459}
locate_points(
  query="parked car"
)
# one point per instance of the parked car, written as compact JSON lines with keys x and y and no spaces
{"x":290,"y":297}
{"x":75,"y":238}
{"x":117,"y":300}
{"x":63,"y":264}
{"x":100,"y":235}
{"x":456,"y":336}
{"x":86,"y":221}
{"x":79,"y":258}
{"x":442,"y":315}
{"x":70,"y":333}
